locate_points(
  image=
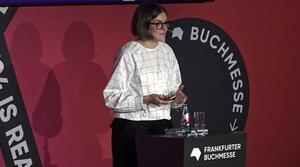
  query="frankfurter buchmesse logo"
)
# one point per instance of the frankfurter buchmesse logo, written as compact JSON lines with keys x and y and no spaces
{"x":3,"y":10}
{"x":213,"y":73}
{"x":217,"y":152}
{"x":196,"y":153}
{"x":177,"y":32}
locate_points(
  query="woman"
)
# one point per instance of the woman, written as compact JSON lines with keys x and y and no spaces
{"x":146,"y":74}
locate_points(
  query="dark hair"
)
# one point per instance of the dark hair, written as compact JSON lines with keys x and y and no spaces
{"x":142,"y":17}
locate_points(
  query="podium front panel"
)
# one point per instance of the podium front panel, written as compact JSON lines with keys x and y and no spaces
{"x":210,"y":151}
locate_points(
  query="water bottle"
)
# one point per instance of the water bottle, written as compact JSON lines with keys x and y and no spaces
{"x":185,"y":121}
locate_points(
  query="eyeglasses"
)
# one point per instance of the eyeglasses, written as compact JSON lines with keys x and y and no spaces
{"x":160,"y":25}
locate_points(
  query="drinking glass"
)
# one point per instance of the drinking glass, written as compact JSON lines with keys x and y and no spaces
{"x":199,"y":122}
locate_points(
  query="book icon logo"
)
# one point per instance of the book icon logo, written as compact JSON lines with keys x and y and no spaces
{"x":196,"y":153}
{"x":3,"y":9}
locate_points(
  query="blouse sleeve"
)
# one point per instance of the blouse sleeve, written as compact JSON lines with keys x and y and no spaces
{"x":117,"y":94}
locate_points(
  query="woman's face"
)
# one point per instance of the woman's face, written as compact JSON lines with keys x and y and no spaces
{"x":159,"y":26}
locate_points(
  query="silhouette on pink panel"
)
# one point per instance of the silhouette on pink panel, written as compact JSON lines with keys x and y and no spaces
{"x":33,"y":76}
{"x":84,"y":114}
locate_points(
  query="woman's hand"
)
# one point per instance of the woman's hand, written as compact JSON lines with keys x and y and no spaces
{"x":181,"y":98}
{"x":155,"y":99}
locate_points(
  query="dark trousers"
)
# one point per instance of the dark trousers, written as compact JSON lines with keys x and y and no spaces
{"x":123,"y":142}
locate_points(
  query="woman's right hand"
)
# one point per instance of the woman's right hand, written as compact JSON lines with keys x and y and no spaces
{"x":155,"y":99}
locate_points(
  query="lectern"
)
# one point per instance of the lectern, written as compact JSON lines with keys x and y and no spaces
{"x":228,"y":150}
